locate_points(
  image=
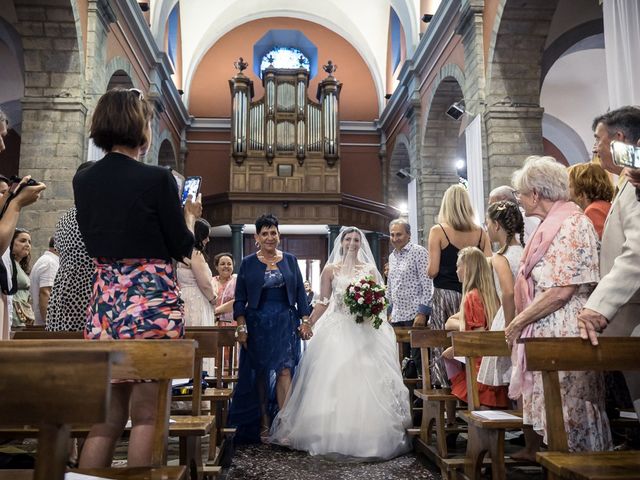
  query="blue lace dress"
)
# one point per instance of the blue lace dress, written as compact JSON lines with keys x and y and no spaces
{"x":272,"y":346}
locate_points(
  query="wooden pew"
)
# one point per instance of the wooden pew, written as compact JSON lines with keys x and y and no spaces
{"x":439,"y":406}
{"x":188,"y":428}
{"x":403,"y":337}
{"x":160,"y":360}
{"x":551,"y":355}
{"x":33,"y":382}
{"x":483,"y":435}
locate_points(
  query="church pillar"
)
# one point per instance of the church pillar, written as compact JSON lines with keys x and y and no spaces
{"x":54,"y":110}
{"x":513,"y":133}
{"x":374,"y":242}
{"x":236,"y":244}
{"x":334,"y":231}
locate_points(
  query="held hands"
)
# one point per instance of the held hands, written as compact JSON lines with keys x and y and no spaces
{"x":305,"y":331}
{"x":590,"y":324}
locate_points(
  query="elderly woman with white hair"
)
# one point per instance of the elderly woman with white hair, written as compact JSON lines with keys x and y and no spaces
{"x":558,"y":271}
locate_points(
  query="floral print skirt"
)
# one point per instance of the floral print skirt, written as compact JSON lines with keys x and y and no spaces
{"x":134,"y":298}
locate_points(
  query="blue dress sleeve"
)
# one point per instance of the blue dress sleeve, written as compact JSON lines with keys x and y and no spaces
{"x":241,"y":295}
{"x":301,"y":295}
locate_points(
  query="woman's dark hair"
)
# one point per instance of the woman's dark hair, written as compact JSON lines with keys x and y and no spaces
{"x":121,"y":118}
{"x":346,"y":232}
{"x":508,"y":216}
{"x":216,"y":259}
{"x":201,"y":232}
{"x":25,"y":263}
{"x":266,"y":221}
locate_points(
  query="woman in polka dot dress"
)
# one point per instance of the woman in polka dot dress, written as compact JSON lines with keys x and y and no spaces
{"x":67,"y":310}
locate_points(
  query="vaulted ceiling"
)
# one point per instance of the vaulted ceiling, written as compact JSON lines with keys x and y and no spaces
{"x":362,"y":23}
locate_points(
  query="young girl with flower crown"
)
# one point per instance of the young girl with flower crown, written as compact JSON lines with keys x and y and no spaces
{"x":505,"y":227}
{"x":479,"y":306}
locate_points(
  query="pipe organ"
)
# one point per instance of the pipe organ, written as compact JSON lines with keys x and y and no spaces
{"x":285,"y":123}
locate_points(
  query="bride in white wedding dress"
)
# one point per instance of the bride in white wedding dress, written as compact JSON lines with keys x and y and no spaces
{"x":348,"y":400}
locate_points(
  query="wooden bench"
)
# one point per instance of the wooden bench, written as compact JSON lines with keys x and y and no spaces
{"x":403,"y":337}
{"x":483,"y":435}
{"x":57,"y":383}
{"x":438,"y":405}
{"x":551,"y":355}
{"x":188,"y":428}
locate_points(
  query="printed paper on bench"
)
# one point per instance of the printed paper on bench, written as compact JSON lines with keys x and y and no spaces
{"x":79,"y":476}
{"x":495,"y":415}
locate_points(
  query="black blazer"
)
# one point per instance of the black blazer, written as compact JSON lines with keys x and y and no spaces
{"x":126,"y":209}
{"x":251,"y":279}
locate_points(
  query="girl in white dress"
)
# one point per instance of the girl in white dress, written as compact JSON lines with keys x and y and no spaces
{"x":348,"y":400}
{"x":505,"y":226}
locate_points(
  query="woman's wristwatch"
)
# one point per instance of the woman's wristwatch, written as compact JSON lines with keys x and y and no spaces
{"x":240,"y":329}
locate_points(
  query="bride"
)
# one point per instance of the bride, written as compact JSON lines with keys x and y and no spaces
{"x":348,"y":400}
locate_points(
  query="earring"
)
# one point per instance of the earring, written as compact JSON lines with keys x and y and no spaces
{"x":257,"y":245}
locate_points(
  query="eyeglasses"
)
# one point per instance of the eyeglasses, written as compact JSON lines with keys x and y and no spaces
{"x":138,"y":92}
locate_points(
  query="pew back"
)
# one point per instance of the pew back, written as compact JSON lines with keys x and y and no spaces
{"x":53,"y":388}
{"x":159,"y":360}
{"x":472,"y":345}
{"x":551,"y":355}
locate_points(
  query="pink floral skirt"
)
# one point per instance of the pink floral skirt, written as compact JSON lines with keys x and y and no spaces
{"x":134,"y":298}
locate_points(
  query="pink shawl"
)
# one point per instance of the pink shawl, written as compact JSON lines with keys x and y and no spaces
{"x":521,"y":379}
{"x":227,"y":294}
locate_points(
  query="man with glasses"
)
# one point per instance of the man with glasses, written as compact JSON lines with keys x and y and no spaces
{"x":8,"y":221}
{"x":614,"y":306}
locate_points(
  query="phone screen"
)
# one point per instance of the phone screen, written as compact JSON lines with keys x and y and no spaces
{"x":191,"y":187}
{"x":625,"y":155}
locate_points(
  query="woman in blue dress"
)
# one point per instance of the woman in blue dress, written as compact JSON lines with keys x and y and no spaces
{"x":272,"y":314}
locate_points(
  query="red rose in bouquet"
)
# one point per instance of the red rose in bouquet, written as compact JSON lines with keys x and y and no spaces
{"x":366,"y":299}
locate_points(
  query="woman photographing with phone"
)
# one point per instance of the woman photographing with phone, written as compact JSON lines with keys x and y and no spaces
{"x":130,"y":218}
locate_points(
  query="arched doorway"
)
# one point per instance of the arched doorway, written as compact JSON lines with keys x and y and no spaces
{"x":443,"y":145}
{"x":166,"y":155}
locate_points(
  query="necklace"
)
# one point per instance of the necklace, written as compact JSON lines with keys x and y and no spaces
{"x":270,"y":262}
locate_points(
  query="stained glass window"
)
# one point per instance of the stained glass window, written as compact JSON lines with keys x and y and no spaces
{"x":284,"y":57}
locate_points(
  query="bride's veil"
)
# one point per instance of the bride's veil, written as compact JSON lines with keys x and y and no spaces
{"x":347,"y":262}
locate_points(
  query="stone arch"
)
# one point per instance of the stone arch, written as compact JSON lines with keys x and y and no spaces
{"x":516,"y":49}
{"x":442,"y":144}
{"x":119,"y":72}
{"x":397,"y":194}
{"x":167,"y":154}
{"x":513,"y":116}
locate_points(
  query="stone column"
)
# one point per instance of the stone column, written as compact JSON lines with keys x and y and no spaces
{"x":54,"y":110}
{"x":513,"y":133}
{"x":334,"y":231}
{"x":374,"y":242}
{"x":236,"y":244}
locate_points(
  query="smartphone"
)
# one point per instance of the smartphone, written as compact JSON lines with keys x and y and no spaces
{"x":191,"y":187}
{"x":625,"y":155}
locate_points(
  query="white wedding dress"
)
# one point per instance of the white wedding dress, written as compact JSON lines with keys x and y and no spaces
{"x":348,"y":400}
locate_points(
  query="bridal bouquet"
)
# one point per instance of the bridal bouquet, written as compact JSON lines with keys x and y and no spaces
{"x":366,"y":298}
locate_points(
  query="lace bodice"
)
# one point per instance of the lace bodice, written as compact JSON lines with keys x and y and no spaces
{"x":340,"y":282}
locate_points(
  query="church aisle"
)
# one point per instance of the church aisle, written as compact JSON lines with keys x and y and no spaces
{"x":265,"y":462}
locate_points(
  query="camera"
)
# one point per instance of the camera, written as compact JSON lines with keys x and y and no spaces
{"x":16,"y":180}
{"x":625,"y":155}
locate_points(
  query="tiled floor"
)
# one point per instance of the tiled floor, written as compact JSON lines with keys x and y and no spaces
{"x":266,"y":462}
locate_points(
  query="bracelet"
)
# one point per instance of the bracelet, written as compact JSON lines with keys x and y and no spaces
{"x":306,"y":321}
{"x":241,"y":329}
